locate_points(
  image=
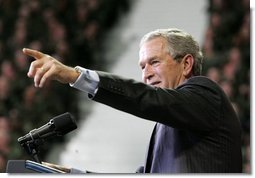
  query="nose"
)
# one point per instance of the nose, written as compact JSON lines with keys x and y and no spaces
{"x":147,"y":73}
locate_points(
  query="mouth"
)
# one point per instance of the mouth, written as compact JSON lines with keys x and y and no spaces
{"x":155,"y":83}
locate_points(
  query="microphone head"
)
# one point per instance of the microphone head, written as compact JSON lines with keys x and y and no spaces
{"x":64,"y":123}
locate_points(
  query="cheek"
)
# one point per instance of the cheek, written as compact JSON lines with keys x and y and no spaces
{"x":166,"y":76}
{"x":161,"y":72}
{"x":143,"y":77}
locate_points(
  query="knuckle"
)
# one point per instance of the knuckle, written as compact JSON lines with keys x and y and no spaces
{"x":45,"y":77}
{"x":54,"y":66}
{"x":51,"y":63}
{"x":48,"y":57}
{"x":33,"y":64}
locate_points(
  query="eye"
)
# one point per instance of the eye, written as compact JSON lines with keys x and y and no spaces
{"x":154,"y":62}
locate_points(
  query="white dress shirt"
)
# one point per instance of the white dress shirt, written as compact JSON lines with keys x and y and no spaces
{"x":87,"y":81}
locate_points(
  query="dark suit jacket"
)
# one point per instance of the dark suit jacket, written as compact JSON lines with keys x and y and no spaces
{"x":197,"y":129}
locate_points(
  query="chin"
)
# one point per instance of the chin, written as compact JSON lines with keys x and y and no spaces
{"x":159,"y":86}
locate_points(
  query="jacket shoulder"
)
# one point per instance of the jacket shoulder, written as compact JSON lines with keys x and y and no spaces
{"x":201,"y":81}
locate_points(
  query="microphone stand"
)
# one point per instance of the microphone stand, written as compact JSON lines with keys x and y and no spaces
{"x":31,"y":147}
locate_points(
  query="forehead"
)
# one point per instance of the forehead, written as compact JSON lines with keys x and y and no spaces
{"x":152,"y":47}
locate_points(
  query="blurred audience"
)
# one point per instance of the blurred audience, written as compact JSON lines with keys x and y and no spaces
{"x":4,"y":141}
{"x":227,"y":51}
{"x":70,"y":30}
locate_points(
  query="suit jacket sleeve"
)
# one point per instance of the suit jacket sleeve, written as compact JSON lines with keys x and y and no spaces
{"x":191,"y":106}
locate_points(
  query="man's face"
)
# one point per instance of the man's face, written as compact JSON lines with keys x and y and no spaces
{"x":159,"y":69}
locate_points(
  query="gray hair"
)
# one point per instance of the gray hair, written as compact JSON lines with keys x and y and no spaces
{"x":180,"y":44}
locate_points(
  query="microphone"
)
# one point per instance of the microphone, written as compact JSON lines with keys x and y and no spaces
{"x":59,"y":125}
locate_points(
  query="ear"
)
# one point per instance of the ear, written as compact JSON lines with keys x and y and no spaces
{"x":188,"y":62}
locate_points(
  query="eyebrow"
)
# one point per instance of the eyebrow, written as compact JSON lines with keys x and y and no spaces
{"x":147,"y":60}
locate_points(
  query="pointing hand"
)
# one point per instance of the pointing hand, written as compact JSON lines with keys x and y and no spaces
{"x":45,"y":67}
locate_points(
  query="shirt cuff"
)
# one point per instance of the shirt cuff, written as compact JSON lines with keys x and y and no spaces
{"x":87,"y":81}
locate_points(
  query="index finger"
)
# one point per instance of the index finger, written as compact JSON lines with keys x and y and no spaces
{"x":33,"y":53}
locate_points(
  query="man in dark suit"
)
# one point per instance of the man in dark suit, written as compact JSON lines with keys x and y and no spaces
{"x":197,"y":129}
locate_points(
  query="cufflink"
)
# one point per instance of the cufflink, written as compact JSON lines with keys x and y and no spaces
{"x":78,"y":70}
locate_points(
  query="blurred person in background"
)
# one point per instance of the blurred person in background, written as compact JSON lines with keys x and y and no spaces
{"x":4,"y":141}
